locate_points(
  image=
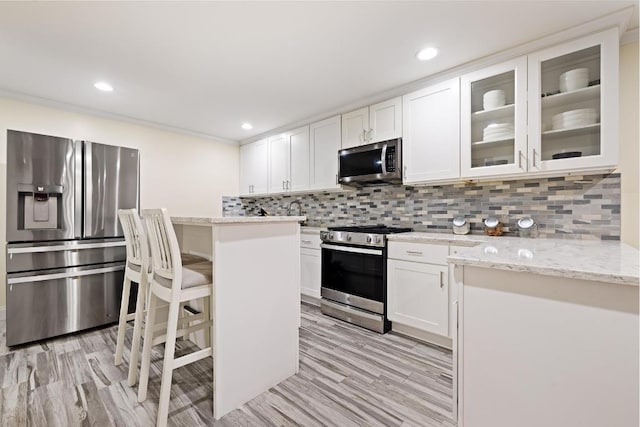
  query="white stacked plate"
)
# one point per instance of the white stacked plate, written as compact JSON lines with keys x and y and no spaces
{"x":574,"y":80}
{"x":575,"y":118}
{"x":493,"y":99}
{"x":497,"y":131}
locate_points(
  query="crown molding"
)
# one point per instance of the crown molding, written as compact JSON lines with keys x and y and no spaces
{"x":619,"y":19}
{"x":45,"y":102}
{"x":629,"y":37}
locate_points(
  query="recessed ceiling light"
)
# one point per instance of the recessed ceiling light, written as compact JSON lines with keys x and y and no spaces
{"x":103,"y":86}
{"x":247,"y":126}
{"x":427,"y":53}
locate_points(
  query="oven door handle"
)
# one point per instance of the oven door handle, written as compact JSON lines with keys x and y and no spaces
{"x":351,"y":249}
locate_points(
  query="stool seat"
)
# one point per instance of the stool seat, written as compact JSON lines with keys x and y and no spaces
{"x":192,"y":259}
{"x":197,"y":274}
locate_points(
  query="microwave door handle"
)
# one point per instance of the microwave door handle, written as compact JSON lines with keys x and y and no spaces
{"x":384,"y":159}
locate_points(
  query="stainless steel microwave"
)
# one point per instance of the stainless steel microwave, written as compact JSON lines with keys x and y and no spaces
{"x":379,"y":162}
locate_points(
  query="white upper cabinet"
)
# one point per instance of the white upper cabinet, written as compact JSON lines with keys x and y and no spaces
{"x":573,"y":105}
{"x":253,"y":168}
{"x":493,"y":120}
{"x":278,"y":163}
{"x":431,"y":129}
{"x":299,"y":154}
{"x":324,"y":137}
{"x":378,"y":122}
{"x":385,"y":120}
{"x":355,"y":126}
{"x":289,"y":161}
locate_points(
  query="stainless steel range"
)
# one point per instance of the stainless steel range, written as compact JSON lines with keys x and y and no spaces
{"x":354,"y":275}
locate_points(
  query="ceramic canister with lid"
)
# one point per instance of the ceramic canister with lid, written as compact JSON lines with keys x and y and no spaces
{"x":461,"y":225}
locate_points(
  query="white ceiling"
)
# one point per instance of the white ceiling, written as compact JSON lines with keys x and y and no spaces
{"x":207,"y":67}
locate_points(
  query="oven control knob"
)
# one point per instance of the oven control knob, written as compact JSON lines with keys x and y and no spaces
{"x":348,"y":237}
{"x":330,"y":236}
{"x":369,"y":239}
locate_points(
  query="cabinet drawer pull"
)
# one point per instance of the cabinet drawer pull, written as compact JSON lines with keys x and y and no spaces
{"x":414,"y":253}
{"x":306,"y":242}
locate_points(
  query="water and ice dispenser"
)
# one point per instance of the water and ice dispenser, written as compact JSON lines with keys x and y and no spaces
{"x":39,"y":206}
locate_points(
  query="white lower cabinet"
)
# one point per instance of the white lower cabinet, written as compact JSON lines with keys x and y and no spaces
{"x":310,"y":269}
{"x":418,"y":295}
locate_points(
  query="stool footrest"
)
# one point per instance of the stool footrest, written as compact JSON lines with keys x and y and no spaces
{"x":192,"y":357}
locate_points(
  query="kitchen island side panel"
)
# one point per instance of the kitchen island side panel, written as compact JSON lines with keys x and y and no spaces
{"x":540,"y":350}
{"x":256,"y":309}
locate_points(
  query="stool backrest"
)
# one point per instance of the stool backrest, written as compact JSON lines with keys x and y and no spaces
{"x":135,"y":238}
{"x":165,"y":252}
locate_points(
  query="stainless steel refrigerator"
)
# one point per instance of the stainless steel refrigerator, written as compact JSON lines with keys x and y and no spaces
{"x":65,"y":250}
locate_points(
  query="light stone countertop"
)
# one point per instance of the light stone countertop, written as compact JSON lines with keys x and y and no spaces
{"x":191,"y":220}
{"x":606,"y":261}
{"x":426,"y":237}
{"x":312,"y":230}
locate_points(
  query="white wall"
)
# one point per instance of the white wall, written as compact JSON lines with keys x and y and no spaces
{"x":185,"y":174}
{"x":629,"y":141}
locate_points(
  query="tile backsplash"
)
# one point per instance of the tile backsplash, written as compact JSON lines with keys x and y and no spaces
{"x":583,"y":207}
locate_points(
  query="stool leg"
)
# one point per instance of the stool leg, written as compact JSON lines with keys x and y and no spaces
{"x":182,"y":315}
{"x":146,"y":348}
{"x":167,"y":364}
{"x":206,"y":309}
{"x":137,"y":328}
{"x":122,"y":324}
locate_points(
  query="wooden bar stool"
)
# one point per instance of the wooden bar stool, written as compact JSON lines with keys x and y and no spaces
{"x":173,"y":283}
{"x":138,"y":270}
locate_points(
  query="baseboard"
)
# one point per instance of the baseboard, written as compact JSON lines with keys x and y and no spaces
{"x":310,"y":300}
{"x":421,"y":335}
{"x":3,"y":313}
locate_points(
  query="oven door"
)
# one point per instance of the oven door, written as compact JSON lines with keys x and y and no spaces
{"x":354,"y":276}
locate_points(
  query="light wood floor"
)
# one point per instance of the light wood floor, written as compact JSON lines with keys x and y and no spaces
{"x":348,"y":377}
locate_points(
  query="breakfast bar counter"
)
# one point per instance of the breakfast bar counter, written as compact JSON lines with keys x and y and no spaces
{"x":255,"y":302}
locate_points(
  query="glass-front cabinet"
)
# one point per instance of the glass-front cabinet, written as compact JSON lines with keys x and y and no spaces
{"x":494,"y":120}
{"x":573,"y":104}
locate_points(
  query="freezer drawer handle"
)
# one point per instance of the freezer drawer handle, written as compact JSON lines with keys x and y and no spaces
{"x":17,"y":280}
{"x":58,"y":248}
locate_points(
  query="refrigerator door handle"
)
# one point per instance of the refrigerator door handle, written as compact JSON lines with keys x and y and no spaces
{"x":77,"y":212}
{"x":70,"y":274}
{"x":88,"y":189}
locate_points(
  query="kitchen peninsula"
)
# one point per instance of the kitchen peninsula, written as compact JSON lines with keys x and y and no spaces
{"x":255,"y":303}
{"x":548,"y":333}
